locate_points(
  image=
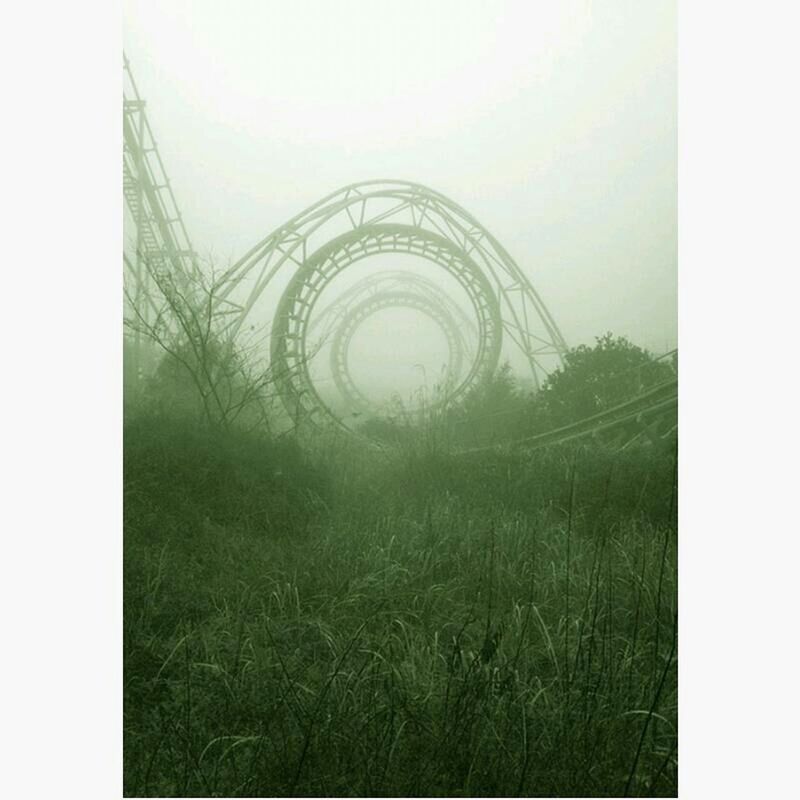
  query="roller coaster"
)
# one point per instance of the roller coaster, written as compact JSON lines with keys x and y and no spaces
{"x":463,"y":280}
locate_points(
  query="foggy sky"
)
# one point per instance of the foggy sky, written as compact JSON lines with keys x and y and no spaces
{"x":554,"y":123}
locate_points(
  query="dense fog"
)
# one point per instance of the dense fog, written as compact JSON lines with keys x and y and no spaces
{"x":554,"y":124}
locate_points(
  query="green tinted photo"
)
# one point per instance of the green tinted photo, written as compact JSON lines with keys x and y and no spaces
{"x":400,"y":399}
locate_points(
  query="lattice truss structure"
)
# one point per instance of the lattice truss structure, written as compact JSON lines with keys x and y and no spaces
{"x":299,"y":261}
{"x":156,"y":245}
{"x":285,"y":289}
{"x":338,"y":321}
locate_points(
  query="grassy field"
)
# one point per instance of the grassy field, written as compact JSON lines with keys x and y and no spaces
{"x":418,"y":623}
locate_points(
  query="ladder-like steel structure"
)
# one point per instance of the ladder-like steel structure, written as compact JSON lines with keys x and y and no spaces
{"x":159,"y":243}
{"x":160,"y":247}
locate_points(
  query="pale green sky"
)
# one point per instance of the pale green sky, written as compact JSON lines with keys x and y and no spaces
{"x":554,"y":123}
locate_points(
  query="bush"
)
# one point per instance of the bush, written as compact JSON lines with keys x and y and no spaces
{"x":195,"y":475}
{"x":594,"y":379}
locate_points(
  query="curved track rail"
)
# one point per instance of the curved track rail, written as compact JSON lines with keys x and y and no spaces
{"x":651,"y":416}
{"x":340,"y":360}
{"x":351,"y":224}
{"x":392,"y":290}
{"x":389,"y":216}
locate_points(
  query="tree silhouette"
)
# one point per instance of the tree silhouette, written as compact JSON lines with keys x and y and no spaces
{"x":597,"y":378}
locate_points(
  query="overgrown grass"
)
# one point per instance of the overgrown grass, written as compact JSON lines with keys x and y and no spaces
{"x":417,"y":624}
